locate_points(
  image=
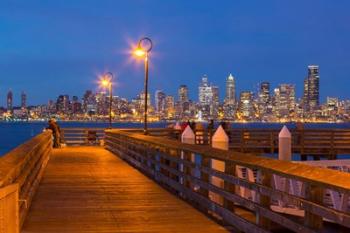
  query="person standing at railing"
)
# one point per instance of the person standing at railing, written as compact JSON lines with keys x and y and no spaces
{"x":56,"y":132}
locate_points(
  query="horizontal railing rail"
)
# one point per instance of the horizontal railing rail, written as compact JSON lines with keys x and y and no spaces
{"x":82,"y":136}
{"x":239,"y":183}
{"x":24,"y":167}
{"x":314,"y":142}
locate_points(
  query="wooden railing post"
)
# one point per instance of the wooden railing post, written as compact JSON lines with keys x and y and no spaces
{"x":9,"y":209}
{"x":205,"y":162}
{"x":314,"y":194}
{"x":230,"y":169}
{"x":265,"y":201}
{"x":220,"y":140}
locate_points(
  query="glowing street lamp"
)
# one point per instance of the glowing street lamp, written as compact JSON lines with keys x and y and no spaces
{"x":143,"y":48}
{"x":107,"y":83}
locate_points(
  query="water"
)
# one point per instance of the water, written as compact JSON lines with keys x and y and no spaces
{"x":14,"y":134}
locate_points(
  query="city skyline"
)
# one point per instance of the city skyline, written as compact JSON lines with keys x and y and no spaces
{"x":194,"y":94}
{"x":65,"y":46}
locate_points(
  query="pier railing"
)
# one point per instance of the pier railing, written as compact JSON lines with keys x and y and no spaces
{"x":95,"y":136}
{"x":249,"y":199}
{"x":82,"y":136}
{"x":326,"y":142}
{"x":314,"y":142}
{"x":20,"y":173}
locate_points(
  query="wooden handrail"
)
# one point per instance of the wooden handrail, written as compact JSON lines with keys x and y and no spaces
{"x":24,"y":166}
{"x":165,"y":157}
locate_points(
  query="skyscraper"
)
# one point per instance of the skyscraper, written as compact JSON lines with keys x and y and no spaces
{"x":10,"y":101}
{"x":311,"y":97}
{"x":23,"y":100}
{"x":170,"y":106}
{"x":229,"y":106}
{"x":264,"y":99}
{"x":230,"y":97}
{"x":183,"y":93}
{"x":208,"y":96}
{"x":246,"y":109}
{"x":183,"y":104}
{"x":160,"y":101}
{"x":89,"y":102}
{"x":284,"y":101}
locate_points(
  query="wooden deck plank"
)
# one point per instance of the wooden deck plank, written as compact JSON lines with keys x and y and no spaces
{"x":88,"y":189}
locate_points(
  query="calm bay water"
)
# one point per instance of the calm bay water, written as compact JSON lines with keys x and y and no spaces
{"x":15,"y":133}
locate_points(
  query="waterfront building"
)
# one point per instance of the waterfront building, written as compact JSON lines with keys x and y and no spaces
{"x":51,"y":107}
{"x":63,"y":104}
{"x":9,"y":101}
{"x":230,"y":98}
{"x":169,"y":106}
{"x":76,"y":105}
{"x":102,"y":103}
{"x":183,"y":101}
{"x":284,"y":101}
{"x":230,"y":95}
{"x":311,"y":97}
{"x":208,"y":96}
{"x":245,"y":106}
{"x":23,"y":100}
{"x":183,"y":93}
{"x":264,"y":100}
{"x":331,"y":108}
{"x":160,"y":98}
{"x":89,"y":103}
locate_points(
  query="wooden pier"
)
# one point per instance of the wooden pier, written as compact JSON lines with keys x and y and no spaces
{"x":88,"y":189}
{"x":153,"y":183}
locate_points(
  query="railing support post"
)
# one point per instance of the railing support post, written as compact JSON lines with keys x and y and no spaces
{"x":187,"y":137}
{"x":314,"y":194}
{"x":285,"y":145}
{"x":265,"y":201}
{"x":220,"y":140}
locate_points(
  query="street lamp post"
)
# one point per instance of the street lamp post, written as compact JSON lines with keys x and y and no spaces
{"x":107,"y":82}
{"x":143,"y":48}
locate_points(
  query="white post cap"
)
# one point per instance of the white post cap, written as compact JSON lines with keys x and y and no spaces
{"x":220,"y":135}
{"x":187,"y":134}
{"x":177,"y":126}
{"x":284,"y":133}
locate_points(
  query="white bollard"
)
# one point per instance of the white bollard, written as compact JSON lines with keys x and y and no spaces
{"x":219,"y":140}
{"x":177,"y":126}
{"x":187,"y":137}
{"x":285,"y":145}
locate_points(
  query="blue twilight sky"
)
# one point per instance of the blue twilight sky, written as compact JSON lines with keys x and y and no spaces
{"x":57,"y":47}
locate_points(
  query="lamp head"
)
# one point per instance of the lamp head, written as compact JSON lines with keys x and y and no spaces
{"x":139,"y":52}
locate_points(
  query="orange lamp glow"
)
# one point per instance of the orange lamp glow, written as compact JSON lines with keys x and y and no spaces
{"x":139,"y":52}
{"x":105,"y":82}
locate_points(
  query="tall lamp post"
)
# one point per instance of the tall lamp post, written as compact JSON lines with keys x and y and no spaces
{"x":143,"y":48}
{"x":107,"y":82}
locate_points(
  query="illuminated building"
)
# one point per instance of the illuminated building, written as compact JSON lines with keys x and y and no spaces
{"x":245,"y":106}
{"x":170,"y":106}
{"x":208,"y":96}
{"x":23,"y":100}
{"x":9,"y":101}
{"x":183,"y":102}
{"x":311,"y":97}
{"x":230,"y":97}
{"x":284,"y":101}
{"x":160,"y":102}
{"x":89,"y":103}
